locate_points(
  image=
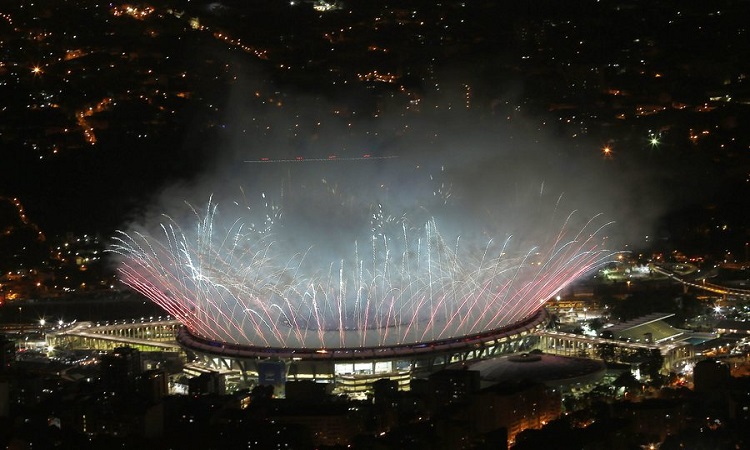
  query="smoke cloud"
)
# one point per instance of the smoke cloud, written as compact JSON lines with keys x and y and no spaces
{"x":322,"y":224}
{"x":326,"y":173}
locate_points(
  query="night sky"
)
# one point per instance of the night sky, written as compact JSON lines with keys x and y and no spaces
{"x":193,"y":99}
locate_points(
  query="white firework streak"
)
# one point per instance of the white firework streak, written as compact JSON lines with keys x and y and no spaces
{"x":241,"y":287}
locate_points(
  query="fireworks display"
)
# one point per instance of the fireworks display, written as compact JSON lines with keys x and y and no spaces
{"x":401,"y":281}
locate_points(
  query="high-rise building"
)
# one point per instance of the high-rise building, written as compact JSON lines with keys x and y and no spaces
{"x":120,"y":369}
{"x":154,"y":385}
{"x":7,"y":353}
{"x":710,"y":375}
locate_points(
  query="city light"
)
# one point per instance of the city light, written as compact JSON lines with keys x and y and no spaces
{"x":126,"y":115}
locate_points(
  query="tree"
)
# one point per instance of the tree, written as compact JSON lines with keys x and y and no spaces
{"x":653,"y":364}
{"x":606,"y":351}
{"x":627,"y":380}
{"x":596,"y":324}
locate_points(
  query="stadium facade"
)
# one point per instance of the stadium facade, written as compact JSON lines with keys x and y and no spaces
{"x":354,"y":369}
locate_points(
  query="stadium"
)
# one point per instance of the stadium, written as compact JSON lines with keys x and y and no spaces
{"x":354,"y":369}
{"x":335,"y":288}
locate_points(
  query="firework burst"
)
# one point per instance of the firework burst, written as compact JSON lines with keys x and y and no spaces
{"x":404,"y":283}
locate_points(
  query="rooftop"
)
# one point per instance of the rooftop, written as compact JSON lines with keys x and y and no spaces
{"x":649,"y":328}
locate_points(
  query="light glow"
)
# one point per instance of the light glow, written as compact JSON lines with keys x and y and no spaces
{"x":405,"y":284}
